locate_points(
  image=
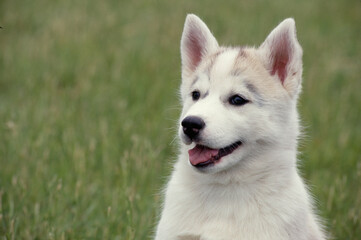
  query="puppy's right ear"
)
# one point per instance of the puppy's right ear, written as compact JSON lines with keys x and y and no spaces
{"x":197,"y":42}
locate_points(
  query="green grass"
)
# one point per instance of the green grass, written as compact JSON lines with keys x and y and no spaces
{"x":88,"y":107}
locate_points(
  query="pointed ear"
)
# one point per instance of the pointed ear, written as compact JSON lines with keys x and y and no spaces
{"x":197,"y":42}
{"x":282,"y":56}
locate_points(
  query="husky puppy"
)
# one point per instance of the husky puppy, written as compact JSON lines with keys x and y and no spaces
{"x":236,"y":176}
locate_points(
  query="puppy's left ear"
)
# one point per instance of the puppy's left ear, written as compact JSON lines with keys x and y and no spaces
{"x":282,"y":56}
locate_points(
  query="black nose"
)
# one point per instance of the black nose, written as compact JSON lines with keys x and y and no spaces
{"x":192,"y":125}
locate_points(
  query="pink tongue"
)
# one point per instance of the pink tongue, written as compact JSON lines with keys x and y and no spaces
{"x":201,"y":154}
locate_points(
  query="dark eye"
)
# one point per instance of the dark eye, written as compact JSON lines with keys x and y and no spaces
{"x":195,"y":95}
{"x":237,"y":100}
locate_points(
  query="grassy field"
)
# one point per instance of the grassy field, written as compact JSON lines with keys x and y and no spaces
{"x":88,"y":107}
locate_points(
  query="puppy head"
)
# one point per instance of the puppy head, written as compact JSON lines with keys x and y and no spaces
{"x":237,"y":101}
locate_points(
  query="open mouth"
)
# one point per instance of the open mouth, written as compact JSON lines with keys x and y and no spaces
{"x":201,"y":156}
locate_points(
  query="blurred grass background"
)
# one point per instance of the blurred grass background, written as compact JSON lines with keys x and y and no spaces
{"x":88,"y":107}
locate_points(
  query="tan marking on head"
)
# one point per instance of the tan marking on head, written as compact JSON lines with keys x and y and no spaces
{"x":250,"y":65}
{"x":237,"y":70}
{"x":242,"y":53}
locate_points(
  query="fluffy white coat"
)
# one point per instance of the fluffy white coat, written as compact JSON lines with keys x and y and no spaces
{"x":255,"y":192}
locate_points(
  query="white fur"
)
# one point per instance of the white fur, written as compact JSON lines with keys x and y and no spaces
{"x":256,"y":191}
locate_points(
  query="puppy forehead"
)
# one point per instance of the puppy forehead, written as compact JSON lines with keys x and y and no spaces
{"x":223,"y":65}
{"x":243,"y":66}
